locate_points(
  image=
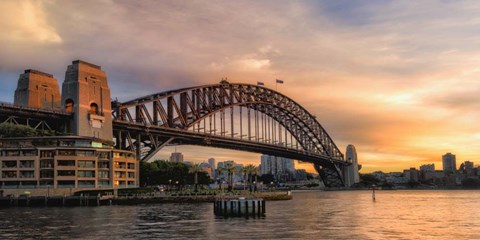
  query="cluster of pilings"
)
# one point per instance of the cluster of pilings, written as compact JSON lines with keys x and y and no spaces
{"x":240,"y":207}
{"x":44,"y":201}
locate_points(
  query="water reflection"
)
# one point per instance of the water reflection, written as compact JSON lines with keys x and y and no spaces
{"x":310,"y":215}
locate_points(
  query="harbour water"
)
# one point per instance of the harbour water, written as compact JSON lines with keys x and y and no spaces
{"x":401,"y":214}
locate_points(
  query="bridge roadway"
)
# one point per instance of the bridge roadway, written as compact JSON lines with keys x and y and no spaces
{"x":183,"y":136}
{"x":35,"y":117}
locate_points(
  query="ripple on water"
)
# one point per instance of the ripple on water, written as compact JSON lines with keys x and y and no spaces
{"x":310,"y":215}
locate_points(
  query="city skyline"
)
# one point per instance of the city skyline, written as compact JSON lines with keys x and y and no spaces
{"x":396,"y":80}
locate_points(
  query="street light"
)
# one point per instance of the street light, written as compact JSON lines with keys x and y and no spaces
{"x":176,"y":182}
{"x":169,"y":184}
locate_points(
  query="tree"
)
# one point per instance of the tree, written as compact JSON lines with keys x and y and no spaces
{"x":310,"y":176}
{"x":471,"y":183}
{"x":230,"y":169}
{"x":220,"y":171}
{"x":267,"y":178}
{"x":195,"y":169}
{"x":368,"y":179}
{"x":8,"y":130}
{"x":249,"y":171}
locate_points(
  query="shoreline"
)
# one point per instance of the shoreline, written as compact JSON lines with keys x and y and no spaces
{"x":133,"y":199}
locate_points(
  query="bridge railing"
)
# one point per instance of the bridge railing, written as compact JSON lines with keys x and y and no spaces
{"x":11,"y":105}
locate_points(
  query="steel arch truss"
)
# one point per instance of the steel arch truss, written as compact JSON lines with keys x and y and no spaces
{"x":243,"y":116}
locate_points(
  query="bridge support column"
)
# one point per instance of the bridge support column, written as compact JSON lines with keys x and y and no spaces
{"x":138,"y":147}
{"x":330,"y":174}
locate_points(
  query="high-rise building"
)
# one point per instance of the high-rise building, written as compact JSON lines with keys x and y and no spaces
{"x":427,"y":167}
{"x":211,"y":162}
{"x":427,"y":172}
{"x":411,"y":174}
{"x":449,"y":163}
{"x":281,"y":168}
{"x":468,"y":165}
{"x":176,"y":157}
{"x":467,"y":168}
{"x":207,"y":168}
{"x":351,"y":175}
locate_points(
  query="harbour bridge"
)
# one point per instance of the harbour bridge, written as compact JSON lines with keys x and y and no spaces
{"x":227,"y":115}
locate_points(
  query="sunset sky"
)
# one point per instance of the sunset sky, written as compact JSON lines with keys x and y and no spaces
{"x":398,"y":79}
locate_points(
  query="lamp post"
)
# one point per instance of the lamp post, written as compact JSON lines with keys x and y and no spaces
{"x":176,"y":182}
{"x":169,"y":184}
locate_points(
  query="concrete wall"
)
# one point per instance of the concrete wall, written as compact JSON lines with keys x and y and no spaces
{"x":86,"y":84}
{"x":37,"y":90}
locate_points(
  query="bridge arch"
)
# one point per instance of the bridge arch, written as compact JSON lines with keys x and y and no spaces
{"x":161,"y":118}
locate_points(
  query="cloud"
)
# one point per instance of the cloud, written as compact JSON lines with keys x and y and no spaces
{"x":25,"y":21}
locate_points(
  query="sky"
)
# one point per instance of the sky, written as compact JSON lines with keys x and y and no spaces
{"x":398,"y":79}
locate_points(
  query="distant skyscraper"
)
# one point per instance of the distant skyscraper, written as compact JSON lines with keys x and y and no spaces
{"x":428,"y":168}
{"x":351,"y":175}
{"x":279,"y":167}
{"x":449,"y":163}
{"x":427,"y":172}
{"x":211,"y":161}
{"x":176,"y":157}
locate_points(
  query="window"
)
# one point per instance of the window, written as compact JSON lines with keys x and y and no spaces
{"x":26,"y":164}
{"x":86,"y":174}
{"x":103,"y":165}
{"x":67,"y":173}
{"x":46,"y":173}
{"x":85,"y":153}
{"x":120,"y":175}
{"x":86,"y":164}
{"x":47,"y":154}
{"x":66,"y":163}
{"x":69,"y":105}
{"x":103,"y":174}
{"x":94,"y":109}
{"x":86,"y":184}
{"x":66,"y":152}
{"x":9,"y":164}
{"x":46,"y":163}
{"x":104,"y":183}
{"x":9,"y":174}
{"x":131,"y":165}
{"x":27,"y":174}
{"x":66,"y":184}
{"x":120,"y":165}
{"x":102,"y":154}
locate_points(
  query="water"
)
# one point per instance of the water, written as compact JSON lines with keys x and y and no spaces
{"x":310,"y":215}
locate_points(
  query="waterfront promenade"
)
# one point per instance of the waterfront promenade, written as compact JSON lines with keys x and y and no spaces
{"x":137,"y":198}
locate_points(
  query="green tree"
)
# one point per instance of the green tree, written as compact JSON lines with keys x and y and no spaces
{"x":249,"y":171}
{"x":368,"y":179}
{"x":219,"y":172}
{"x":230,"y":169}
{"x":267,"y":178}
{"x":195,"y":169}
{"x":8,"y":130}
{"x":471,"y":183}
{"x":310,"y":176}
